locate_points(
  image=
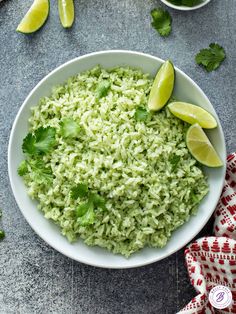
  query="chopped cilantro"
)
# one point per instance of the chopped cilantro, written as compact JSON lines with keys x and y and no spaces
{"x":211,"y":58}
{"x":176,"y":2}
{"x":40,"y":142}
{"x":191,"y":3}
{"x":161,"y":21}
{"x":102,"y":89}
{"x":174,"y":160}
{"x":141,"y":114}
{"x":70,"y":128}
{"x":187,"y":3}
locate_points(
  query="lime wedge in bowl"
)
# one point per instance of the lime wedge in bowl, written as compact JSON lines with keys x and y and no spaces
{"x":201,"y":148}
{"x":66,"y":12}
{"x":162,"y":86}
{"x":192,"y":114}
{"x":35,"y":17}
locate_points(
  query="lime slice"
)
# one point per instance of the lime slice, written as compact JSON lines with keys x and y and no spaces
{"x":193,"y":114}
{"x":35,"y":17}
{"x":162,"y":86}
{"x":201,"y":148}
{"x":66,"y":12}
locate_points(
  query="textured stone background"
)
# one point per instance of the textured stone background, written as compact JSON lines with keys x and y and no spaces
{"x":33,"y":277}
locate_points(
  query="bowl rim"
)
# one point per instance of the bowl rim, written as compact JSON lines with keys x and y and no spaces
{"x":185,"y":8}
{"x":39,"y":232}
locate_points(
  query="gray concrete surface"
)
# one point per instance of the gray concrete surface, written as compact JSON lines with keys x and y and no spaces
{"x":34,"y":278}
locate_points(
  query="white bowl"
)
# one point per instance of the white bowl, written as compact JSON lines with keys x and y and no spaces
{"x":185,"y":8}
{"x":185,"y":89}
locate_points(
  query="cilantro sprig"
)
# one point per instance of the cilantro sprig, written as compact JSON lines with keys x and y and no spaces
{"x":161,"y":21}
{"x":211,"y":58}
{"x":39,"y":172}
{"x":36,"y":144}
{"x":85,"y":211}
{"x":41,"y":141}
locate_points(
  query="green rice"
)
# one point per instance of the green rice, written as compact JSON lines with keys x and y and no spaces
{"x":143,"y":170}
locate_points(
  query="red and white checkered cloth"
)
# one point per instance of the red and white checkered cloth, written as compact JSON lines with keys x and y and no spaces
{"x":211,"y":261}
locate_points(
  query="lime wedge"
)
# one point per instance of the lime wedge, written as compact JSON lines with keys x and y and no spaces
{"x":162,"y":86}
{"x":193,"y":114}
{"x":35,"y":17}
{"x":201,"y":148}
{"x":66,"y":12}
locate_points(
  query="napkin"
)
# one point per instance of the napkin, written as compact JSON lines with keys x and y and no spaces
{"x":211,"y":261}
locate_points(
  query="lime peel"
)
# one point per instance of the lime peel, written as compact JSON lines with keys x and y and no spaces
{"x":201,"y":148}
{"x":66,"y":12}
{"x":35,"y":18}
{"x":192,"y":114}
{"x":162,"y":87}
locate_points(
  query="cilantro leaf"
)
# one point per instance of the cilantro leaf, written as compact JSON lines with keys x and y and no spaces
{"x":2,"y":234}
{"x":88,"y":217}
{"x":97,"y":200}
{"x":102,"y":89}
{"x":211,"y":58}
{"x":70,"y":128}
{"x":174,"y":160}
{"x":44,"y":139}
{"x":28,"y":144}
{"x":161,"y":21}
{"x":82,"y":209}
{"x":85,"y":211}
{"x":39,"y":142}
{"x":23,"y":168}
{"x":80,"y":190}
{"x":141,"y":114}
